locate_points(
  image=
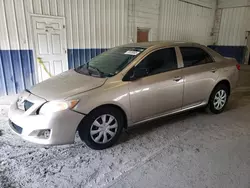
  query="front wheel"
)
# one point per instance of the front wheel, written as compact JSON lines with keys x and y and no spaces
{"x":102,"y":128}
{"x":218,"y":99}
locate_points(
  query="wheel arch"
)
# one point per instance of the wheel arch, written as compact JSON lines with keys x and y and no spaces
{"x":113,"y":106}
{"x":224,"y":82}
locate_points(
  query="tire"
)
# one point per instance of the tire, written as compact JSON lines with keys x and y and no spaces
{"x":218,"y":99}
{"x":92,"y":129}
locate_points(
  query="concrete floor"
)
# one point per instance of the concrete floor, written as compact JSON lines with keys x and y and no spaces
{"x":194,"y":149}
{"x":208,"y":155}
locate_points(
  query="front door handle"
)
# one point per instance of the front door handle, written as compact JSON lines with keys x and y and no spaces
{"x":177,"y":78}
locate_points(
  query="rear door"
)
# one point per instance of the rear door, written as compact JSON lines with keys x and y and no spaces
{"x":200,"y":73}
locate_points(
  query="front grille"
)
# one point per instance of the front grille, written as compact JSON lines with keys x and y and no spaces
{"x":15,"y":127}
{"x":27,"y":105}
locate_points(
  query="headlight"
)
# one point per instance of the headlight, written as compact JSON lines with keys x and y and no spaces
{"x":55,"y":106}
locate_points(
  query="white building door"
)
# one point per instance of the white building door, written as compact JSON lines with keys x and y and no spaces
{"x":50,"y":46}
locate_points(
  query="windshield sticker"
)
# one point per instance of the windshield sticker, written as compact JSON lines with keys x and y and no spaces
{"x":130,"y":52}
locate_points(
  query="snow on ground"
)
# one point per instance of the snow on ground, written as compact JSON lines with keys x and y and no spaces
{"x":23,"y":164}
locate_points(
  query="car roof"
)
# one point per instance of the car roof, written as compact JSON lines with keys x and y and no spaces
{"x":161,"y":43}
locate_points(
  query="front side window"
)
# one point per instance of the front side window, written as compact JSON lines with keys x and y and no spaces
{"x":159,"y":61}
{"x":110,"y":62}
{"x":193,"y":56}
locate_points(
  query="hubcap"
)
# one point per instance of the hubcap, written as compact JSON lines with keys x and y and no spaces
{"x":220,"y":99}
{"x":103,"y":129}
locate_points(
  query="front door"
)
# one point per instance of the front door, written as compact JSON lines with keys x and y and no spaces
{"x":50,"y":46}
{"x":159,"y":92}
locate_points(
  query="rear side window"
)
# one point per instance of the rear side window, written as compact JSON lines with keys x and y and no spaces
{"x":160,"y":61}
{"x":194,"y":56}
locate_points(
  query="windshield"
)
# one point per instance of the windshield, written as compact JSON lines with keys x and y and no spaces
{"x":110,"y":62}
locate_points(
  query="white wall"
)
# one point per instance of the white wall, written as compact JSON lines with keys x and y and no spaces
{"x":93,"y":24}
{"x":232,"y":3}
{"x":107,"y":23}
{"x":89,"y":23}
{"x":172,"y":19}
{"x":96,"y":23}
{"x":13,"y":25}
{"x":216,"y":28}
{"x":233,"y":26}
{"x":143,"y":14}
{"x":181,"y":20}
{"x":204,"y":3}
{"x":234,"y":22}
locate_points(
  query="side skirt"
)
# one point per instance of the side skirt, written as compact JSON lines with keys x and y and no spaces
{"x":169,"y":113}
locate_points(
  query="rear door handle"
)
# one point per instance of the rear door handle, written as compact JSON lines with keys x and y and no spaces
{"x":177,"y":78}
{"x":213,"y":70}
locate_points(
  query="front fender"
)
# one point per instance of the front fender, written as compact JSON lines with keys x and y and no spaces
{"x":105,"y":95}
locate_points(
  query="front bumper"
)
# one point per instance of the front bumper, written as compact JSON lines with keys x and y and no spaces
{"x":27,"y":124}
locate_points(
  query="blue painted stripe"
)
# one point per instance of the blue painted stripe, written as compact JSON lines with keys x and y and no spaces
{"x":77,"y":57}
{"x":3,"y":89}
{"x":17,"y":66}
{"x":236,"y":52}
{"x":16,"y":71}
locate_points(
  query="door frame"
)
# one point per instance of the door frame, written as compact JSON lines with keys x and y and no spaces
{"x":247,"y":51}
{"x":33,"y":40}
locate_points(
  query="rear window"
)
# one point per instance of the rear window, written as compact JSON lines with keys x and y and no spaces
{"x":194,"y":56}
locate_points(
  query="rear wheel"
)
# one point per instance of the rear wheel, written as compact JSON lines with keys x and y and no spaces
{"x":102,"y":128}
{"x":218,"y":99}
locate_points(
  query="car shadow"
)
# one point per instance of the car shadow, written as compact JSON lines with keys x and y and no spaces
{"x":237,"y":100}
{"x":144,"y":128}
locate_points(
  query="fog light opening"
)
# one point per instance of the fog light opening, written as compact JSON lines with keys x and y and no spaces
{"x":44,"y":134}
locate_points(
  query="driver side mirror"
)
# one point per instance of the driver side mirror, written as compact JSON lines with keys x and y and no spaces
{"x":138,"y":73}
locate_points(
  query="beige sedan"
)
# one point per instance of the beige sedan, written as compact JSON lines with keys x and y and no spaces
{"x":124,"y":86}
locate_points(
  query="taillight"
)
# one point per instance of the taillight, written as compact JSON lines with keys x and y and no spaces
{"x":238,"y":66}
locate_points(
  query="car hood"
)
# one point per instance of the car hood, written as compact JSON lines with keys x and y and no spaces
{"x":66,"y":84}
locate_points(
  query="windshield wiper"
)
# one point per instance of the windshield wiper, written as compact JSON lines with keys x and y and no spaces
{"x":83,"y":69}
{"x":97,"y":70}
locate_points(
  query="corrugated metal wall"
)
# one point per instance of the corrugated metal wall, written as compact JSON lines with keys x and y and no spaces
{"x":234,"y":22}
{"x":92,"y":26}
{"x":16,"y":58}
{"x":89,"y":23}
{"x":172,"y":19}
{"x":204,"y":3}
{"x":143,"y":14}
{"x":232,"y":3}
{"x":180,"y":20}
{"x":233,"y":26}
